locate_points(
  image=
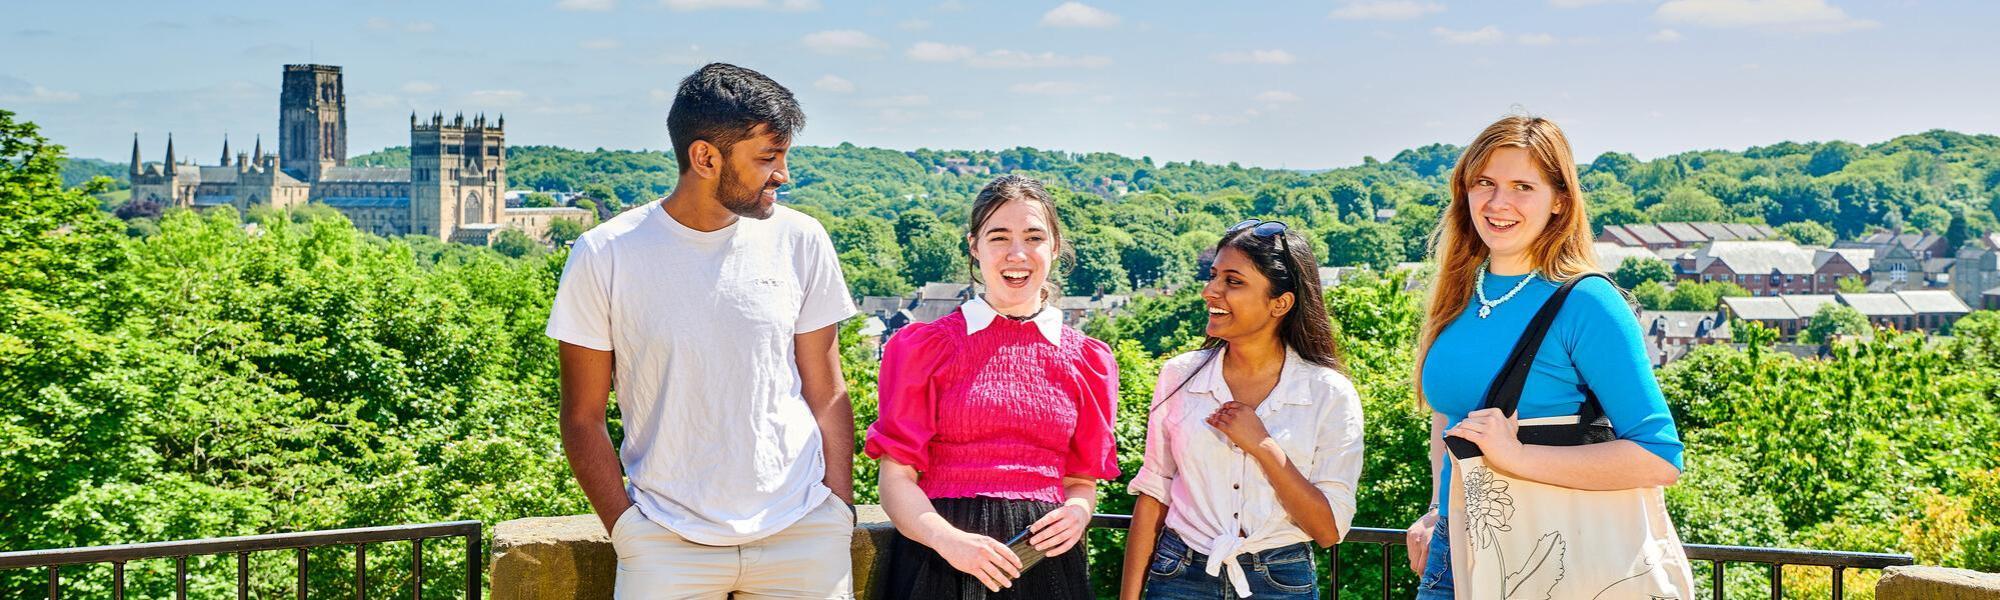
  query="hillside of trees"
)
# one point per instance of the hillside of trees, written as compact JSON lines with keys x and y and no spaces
{"x":202,"y":378}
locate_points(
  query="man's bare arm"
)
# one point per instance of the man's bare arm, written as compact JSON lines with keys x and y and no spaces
{"x":825,"y":390}
{"x":586,"y":389}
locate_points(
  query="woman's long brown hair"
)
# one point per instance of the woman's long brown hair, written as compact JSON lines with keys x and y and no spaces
{"x":1562,"y":251}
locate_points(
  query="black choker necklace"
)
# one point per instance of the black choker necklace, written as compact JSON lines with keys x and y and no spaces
{"x":1031,"y":316}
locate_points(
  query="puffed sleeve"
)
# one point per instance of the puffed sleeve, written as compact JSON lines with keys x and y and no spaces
{"x":1093,"y":449}
{"x":906,"y":403}
{"x":1337,"y":452}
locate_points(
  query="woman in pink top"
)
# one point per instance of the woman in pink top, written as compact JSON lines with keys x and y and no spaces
{"x":996,"y":419}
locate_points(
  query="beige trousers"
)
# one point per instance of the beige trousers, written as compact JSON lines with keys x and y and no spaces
{"x":809,"y":559}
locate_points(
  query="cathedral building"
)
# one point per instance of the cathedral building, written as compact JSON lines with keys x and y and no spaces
{"x":454,"y":188}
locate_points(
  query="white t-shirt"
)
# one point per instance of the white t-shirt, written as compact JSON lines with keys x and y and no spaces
{"x":720,"y":446}
{"x":1217,"y":497}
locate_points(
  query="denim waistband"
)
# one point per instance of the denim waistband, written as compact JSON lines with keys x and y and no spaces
{"x":1171,"y":542}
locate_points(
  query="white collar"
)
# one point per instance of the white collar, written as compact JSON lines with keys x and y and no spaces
{"x":1289,"y":375}
{"x":979,"y":314}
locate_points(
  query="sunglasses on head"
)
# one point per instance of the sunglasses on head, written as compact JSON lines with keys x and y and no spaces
{"x":1259,"y":228}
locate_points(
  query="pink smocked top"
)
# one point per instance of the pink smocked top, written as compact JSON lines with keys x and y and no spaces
{"x":998,"y":413}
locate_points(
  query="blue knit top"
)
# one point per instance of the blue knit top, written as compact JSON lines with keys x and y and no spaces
{"x":1594,"y":340}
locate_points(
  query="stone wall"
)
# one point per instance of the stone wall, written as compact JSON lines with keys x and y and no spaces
{"x":571,"y":557}
{"x":1937,"y":583}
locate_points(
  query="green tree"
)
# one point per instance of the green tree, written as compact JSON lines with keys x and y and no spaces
{"x":936,"y":255}
{"x":1930,"y":218}
{"x":562,"y":231}
{"x":1851,"y":285}
{"x":1367,"y":244}
{"x":1693,"y":295}
{"x":1687,"y":204}
{"x":1807,"y":233}
{"x":538,"y":200}
{"x":1635,"y":271}
{"x":515,"y":244}
{"x":1099,"y":267}
{"x":1831,"y":158}
{"x":1651,"y":295}
{"x":1834,"y":320}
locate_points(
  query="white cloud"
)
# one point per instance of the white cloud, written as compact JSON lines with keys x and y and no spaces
{"x":598,"y":44}
{"x":1047,"y":88}
{"x":1484,"y":35}
{"x":904,"y":101}
{"x":914,"y":25}
{"x":420,"y":87}
{"x":39,"y":95}
{"x":835,"y":84}
{"x":1259,"y":57}
{"x":1278,"y":97}
{"x":382,"y":24}
{"x":660,"y":96}
{"x":1384,"y":10}
{"x":688,"y":5}
{"x":1809,"y":16}
{"x":1536,"y":39}
{"x":840,"y":41}
{"x":692,"y":56}
{"x":937,"y":52}
{"x":1015,"y":59}
{"x":375,"y":101}
{"x":786,"y":5}
{"x":495,"y":97}
{"x":587,"y":5}
{"x":1664,"y":36}
{"x":1078,"y":14}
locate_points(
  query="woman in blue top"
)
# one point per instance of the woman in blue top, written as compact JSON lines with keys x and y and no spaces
{"x":1515,"y":231}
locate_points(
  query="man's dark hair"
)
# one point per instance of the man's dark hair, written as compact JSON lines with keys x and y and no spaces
{"x":722,"y":103}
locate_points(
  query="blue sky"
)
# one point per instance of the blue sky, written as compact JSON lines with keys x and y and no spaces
{"x":1279,"y":84}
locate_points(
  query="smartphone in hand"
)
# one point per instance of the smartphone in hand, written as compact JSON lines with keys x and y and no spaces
{"x":1024,"y":550}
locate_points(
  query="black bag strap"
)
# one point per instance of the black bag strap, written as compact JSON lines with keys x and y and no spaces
{"x":1505,"y":391}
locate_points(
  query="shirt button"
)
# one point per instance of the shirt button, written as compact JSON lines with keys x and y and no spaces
{"x":1236,"y":486}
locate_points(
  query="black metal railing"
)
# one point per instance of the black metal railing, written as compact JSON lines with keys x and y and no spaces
{"x":54,"y":560}
{"x":1717,"y":556}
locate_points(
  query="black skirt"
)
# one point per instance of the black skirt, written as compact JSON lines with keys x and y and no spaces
{"x":916,"y":572}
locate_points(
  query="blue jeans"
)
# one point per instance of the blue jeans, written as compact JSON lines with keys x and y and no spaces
{"x":1179,"y":573}
{"x":1436,"y":582}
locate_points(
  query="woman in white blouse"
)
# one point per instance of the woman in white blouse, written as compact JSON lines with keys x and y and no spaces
{"x":1253,"y":447}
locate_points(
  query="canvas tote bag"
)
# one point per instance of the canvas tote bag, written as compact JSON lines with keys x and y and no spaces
{"x":1514,"y":538}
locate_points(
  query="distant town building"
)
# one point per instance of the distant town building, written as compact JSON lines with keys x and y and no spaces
{"x":1660,"y":236}
{"x":1906,"y":261}
{"x":1920,"y":310}
{"x":1771,"y":268}
{"x":1976,"y":274}
{"x":1670,"y":334}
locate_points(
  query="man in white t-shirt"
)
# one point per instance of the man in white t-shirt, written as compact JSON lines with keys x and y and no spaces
{"x":739,"y":438}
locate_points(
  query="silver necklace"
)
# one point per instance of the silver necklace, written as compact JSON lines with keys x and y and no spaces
{"x":1486,"y":306}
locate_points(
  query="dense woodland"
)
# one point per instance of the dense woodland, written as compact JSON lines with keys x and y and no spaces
{"x":181,"y":375}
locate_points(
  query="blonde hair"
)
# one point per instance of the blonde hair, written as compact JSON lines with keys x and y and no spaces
{"x":1561,"y":252}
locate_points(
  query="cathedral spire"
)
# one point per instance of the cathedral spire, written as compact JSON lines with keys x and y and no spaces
{"x":170,"y":152}
{"x":134,"y":170}
{"x":225,"y":150}
{"x":259,"y":152}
